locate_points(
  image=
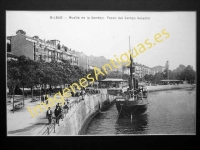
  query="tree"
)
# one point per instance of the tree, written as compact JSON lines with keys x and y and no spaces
{"x":189,"y":74}
{"x":125,"y":76}
{"x":21,"y":31}
{"x":13,"y":77}
{"x":148,"y":77}
{"x":165,"y":74}
{"x":158,"y":77}
{"x":67,"y":70}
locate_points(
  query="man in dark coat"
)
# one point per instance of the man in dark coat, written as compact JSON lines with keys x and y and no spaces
{"x":42,"y":98}
{"x":49,"y":115}
{"x":46,"y":99}
{"x":57,"y":113}
{"x":65,"y":107}
{"x":140,"y":94}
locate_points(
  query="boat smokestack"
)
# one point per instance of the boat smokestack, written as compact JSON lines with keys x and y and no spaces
{"x":131,"y":70}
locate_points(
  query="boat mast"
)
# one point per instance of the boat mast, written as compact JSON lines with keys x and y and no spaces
{"x":131,"y":69}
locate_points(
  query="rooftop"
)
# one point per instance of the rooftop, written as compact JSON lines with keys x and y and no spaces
{"x":169,"y":80}
{"x":113,"y":79}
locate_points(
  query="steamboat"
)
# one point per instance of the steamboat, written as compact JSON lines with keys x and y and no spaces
{"x":134,"y":100}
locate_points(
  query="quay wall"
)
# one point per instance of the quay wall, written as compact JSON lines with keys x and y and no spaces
{"x":169,"y":87}
{"x":81,"y":114}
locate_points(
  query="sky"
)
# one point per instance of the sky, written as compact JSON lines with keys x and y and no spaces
{"x":103,"y":33}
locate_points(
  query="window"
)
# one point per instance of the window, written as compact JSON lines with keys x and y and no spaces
{"x":36,"y":57}
{"x":58,"y":46}
{"x":8,"y":46}
{"x":56,"y":55}
{"x":50,"y":53}
{"x":45,"y":51}
{"x":40,"y":57}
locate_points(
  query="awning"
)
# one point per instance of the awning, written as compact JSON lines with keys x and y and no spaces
{"x":113,"y":80}
{"x":142,"y":83}
{"x":170,"y":80}
{"x":26,"y":89}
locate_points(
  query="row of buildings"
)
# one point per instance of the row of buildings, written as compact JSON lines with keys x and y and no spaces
{"x":142,"y":70}
{"x":38,"y":49}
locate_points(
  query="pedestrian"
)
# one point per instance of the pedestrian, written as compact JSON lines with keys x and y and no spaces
{"x":61,"y":113}
{"x":82,"y":93}
{"x":42,"y":98}
{"x":57,"y":113}
{"x":49,"y":115}
{"x":64,"y":110}
{"x":57,"y":105}
{"x":65,"y":107}
{"x":140,"y":92}
{"x":61,"y":92}
{"x":46,"y":99}
{"x":68,"y":106}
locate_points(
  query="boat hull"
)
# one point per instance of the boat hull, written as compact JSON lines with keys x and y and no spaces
{"x":128,"y":108}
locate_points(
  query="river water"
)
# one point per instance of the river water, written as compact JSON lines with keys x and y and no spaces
{"x":169,"y":112}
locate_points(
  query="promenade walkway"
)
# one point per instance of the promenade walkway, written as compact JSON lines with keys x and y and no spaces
{"x":169,"y":87}
{"x":21,"y":122}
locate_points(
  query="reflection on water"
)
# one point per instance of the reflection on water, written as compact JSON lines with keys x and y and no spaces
{"x":137,"y":125}
{"x":169,"y":112}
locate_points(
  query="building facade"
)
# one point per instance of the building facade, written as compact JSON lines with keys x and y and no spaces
{"x":37,"y":49}
{"x":159,"y":69}
{"x":140,"y":70}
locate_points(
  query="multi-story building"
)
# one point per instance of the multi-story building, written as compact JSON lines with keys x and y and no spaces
{"x":159,"y":69}
{"x":37,"y":49}
{"x":11,"y":56}
{"x":140,"y":70}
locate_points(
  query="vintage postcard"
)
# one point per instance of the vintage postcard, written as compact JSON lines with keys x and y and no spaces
{"x":73,"y":73}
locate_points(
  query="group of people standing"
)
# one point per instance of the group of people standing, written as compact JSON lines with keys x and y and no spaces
{"x":44,"y":98}
{"x":59,"y":112}
{"x":139,"y":92}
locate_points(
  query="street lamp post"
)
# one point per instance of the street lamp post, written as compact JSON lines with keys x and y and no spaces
{"x":13,"y":100}
{"x":23,"y":95}
{"x":40,"y":89}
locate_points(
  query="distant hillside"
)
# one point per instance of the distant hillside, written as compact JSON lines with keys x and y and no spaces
{"x":98,"y":61}
{"x":94,"y":60}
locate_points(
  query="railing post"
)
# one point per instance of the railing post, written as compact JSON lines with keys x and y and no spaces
{"x":54,"y":126}
{"x":48,"y":130}
{"x":13,"y":104}
{"x":58,"y":119}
